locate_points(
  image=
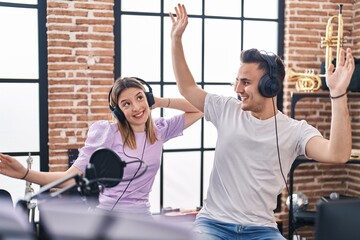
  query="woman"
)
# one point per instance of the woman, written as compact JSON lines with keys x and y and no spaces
{"x":134,"y":135}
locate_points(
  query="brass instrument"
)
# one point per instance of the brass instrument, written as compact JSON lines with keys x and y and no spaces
{"x":330,"y":41}
{"x":306,"y":82}
{"x":309,"y":81}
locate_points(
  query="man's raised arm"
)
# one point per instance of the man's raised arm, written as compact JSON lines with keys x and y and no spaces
{"x":184,"y":79}
{"x":338,"y":147}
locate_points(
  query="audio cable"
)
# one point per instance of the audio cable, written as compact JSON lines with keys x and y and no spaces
{"x":281,"y":170}
{"x":138,"y":169}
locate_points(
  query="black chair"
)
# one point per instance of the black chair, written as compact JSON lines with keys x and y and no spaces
{"x":14,"y":223}
{"x":338,"y":220}
{"x":6,"y":198}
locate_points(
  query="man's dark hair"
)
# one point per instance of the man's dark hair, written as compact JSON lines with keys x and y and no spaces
{"x":253,"y":55}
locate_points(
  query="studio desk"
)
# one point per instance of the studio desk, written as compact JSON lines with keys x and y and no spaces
{"x":306,"y":218}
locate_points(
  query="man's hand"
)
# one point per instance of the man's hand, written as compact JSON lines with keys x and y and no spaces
{"x":180,"y":22}
{"x":339,"y":80}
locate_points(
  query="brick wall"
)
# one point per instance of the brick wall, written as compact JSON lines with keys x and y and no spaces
{"x":356,"y":28}
{"x":305,"y":24}
{"x":80,"y":70}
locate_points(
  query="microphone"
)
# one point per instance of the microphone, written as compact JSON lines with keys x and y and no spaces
{"x":109,"y":167}
{"x":89,"y":185}
{"x":93,"y":187}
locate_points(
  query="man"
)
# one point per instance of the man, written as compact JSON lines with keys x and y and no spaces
{"x":256,"y":143}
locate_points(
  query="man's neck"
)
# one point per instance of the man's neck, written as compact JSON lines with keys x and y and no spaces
{"x":268,"y":112}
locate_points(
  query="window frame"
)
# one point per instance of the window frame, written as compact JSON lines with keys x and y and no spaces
{"x":42,"y":80}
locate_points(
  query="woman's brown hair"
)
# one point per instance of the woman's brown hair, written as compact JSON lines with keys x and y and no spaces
{"x":127,"y":133}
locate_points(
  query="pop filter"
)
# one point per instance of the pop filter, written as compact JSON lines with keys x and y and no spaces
{"x":108,"y":166}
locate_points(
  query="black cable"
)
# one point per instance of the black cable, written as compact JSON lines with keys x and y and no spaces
{"x":279,"y":158}
{"x":137,"y":161}
{"x":141,"y":162}
{"x":277,"y":147}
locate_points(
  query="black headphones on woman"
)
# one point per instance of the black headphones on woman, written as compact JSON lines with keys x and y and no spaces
{"x":269,"y":86}
{"x":116,"y":111}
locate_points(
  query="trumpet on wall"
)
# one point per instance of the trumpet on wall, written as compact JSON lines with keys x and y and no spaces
{"x":309,"y":81}
{"x":306,"y":82}
{"x":331,"y":41}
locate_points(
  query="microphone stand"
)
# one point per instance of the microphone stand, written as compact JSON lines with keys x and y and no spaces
{"x":23,"y":205}
{"x":83,"y":187}
{"x":46,"y":188}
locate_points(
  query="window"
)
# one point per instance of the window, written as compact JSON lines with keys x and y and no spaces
{"x":215,"y":36}
{"x":23,"y":87}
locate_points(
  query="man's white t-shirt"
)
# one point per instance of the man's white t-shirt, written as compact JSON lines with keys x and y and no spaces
{"x":246,"y":178}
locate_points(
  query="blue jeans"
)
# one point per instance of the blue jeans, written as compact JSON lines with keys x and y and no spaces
{"x":207,"y":229}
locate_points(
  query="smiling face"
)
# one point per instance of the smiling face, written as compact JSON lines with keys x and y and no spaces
{"x":254,"y":65}
{"x":132,"y":102}
{"x":246,"y":86}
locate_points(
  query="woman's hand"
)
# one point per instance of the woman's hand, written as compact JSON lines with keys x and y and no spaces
{"x":11,"y":167}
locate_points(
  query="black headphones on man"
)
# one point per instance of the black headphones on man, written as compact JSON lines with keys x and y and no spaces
{"x":269,"y":86}
{"x":116,"y":111}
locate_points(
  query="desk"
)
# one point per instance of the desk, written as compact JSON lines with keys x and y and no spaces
{"x":296,"y":96}
{"x":298,"y":161}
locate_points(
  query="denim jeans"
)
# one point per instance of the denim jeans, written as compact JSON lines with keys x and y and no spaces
{"x":207,"y":229}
